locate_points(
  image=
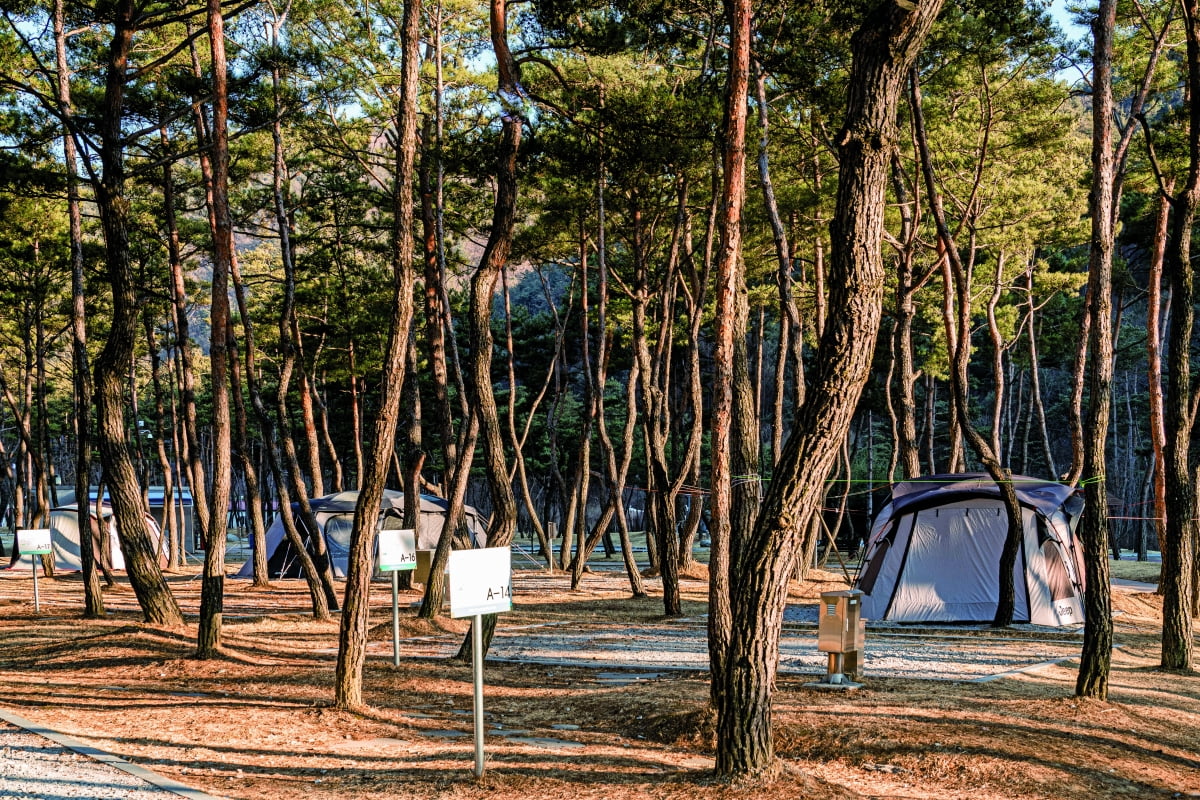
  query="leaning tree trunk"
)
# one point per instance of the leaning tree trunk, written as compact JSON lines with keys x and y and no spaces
{"x":958,"y":331}
{"x":483,"y":289}
{"x":154,"y":596}
{"x":352,"y":634}
{"x":883,"y":49}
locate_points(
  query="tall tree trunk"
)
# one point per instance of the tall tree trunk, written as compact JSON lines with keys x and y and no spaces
{"x":883,"y":48}
{"x":1179,"y":546}
{"x":738,"y":749}
{"x":154,"y":596}
{"x":791,"y":326}
{"x":317,"y":589}
{"x":1095,"y":660}
{"x":93,"y":600}
{"x":435,"y":315}
{"x":352,"y":634}
{"x":483,"y":289}
{"x":197,"y":474}
{"x":289,"y":343}
{"x":212,"y":592}
{"x":319,"y":583}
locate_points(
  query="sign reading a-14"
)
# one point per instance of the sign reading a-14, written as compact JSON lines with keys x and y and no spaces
{"x":480,"y":581}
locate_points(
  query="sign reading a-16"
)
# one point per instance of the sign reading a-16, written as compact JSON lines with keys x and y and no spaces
{"x":397,"y":550}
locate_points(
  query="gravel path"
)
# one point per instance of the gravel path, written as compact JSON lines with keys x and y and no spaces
{"x":33,"y":766}
{"x":948,"y":655}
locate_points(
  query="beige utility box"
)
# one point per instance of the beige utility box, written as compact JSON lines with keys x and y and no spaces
{"x":424,"y":561}
{"x":841,"y":628}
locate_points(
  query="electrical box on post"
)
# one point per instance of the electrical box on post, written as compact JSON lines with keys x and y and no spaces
{"x":841,"y":628}
{"x":841,"y":633}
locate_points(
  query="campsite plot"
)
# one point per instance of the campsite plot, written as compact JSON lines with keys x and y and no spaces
{"x":256,"y":723}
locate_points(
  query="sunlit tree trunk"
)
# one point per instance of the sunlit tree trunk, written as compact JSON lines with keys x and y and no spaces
{"x":1179,"y":545}
{"x":1095,"y":660}
{"x":212,"y":592}
{"x":352,"y":634}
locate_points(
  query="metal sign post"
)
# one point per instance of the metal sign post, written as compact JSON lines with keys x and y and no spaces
{"x":34,"y":542}
{"x":477,"y":676}
{"x":480,"y":583}
{"x":397,"y":550}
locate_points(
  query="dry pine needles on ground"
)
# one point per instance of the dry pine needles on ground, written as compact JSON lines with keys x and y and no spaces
{"x":256,"y":723}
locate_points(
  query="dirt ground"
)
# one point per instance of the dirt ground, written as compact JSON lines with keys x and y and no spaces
{"x":257,"y":723}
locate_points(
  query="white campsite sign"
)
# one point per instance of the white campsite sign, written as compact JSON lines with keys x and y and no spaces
{"x":34,"y":542}
{"x":480,"y":581}
{"x":397,"y":550}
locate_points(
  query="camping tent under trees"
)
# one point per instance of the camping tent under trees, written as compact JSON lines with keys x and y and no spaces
{"x":64,"y":540}
{"x":934,"y":552}
{"x":335,"y":515}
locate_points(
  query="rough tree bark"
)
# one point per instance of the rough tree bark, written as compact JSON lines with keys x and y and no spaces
{"x":1095,"y":660}
{"x":483,"y":290}
{"x":212,"y":591}
{"x":93,"y":600}
{"x":1178,"y":548}
{"x":154,"y":596}
{"x":884,"y":47}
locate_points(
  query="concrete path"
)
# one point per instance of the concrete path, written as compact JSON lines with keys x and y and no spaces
{"x":37,"y":762}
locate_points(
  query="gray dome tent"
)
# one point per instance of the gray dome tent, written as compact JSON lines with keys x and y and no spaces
{"x":335,"y":516}
{"x":64,"y":540}
{"x":934,"y":553}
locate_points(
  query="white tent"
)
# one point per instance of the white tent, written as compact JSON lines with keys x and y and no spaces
{"x":64,"y":540}
{"x":934,"y":553}
{"x":335,"y":516}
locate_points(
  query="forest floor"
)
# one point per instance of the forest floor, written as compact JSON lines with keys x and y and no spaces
{"x":257,"y":723}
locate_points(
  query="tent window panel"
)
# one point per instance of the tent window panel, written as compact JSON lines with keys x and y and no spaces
{"x":337,"y":533}
{"x":1056,"y":573}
